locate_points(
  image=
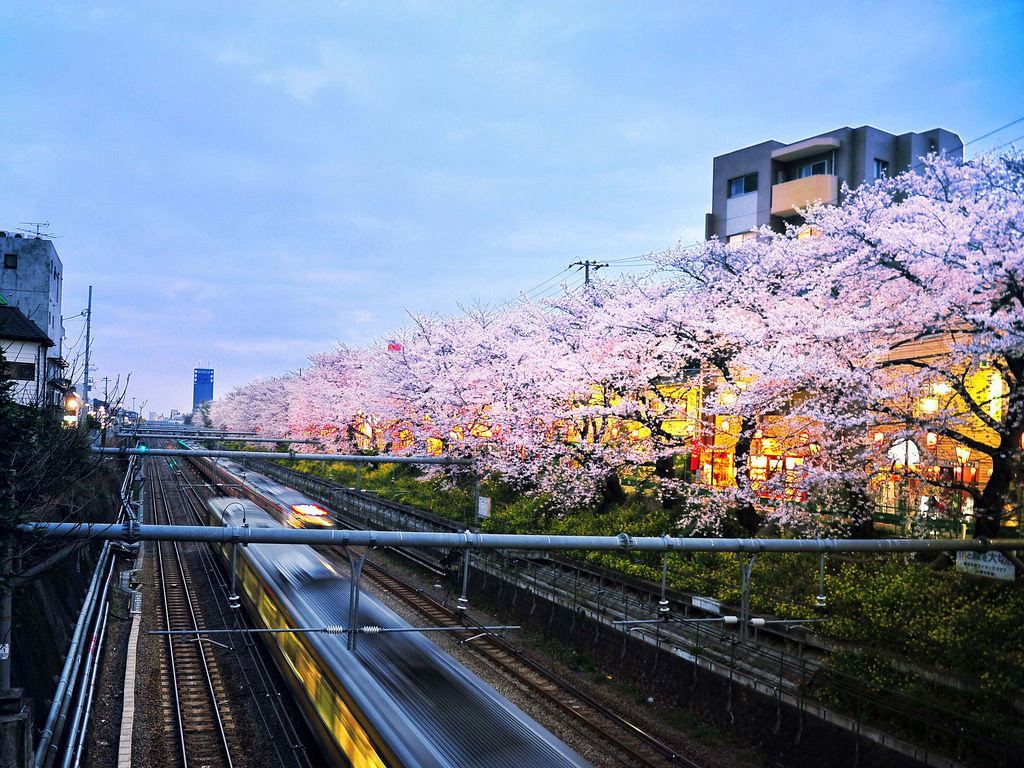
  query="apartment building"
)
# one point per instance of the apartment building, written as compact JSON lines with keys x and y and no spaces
{"x":768,"y":183}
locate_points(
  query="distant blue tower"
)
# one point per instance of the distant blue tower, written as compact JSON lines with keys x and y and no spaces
{"x":202,"y":386}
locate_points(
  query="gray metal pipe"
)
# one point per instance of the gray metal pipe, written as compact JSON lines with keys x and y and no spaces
{"x":221,"y":438}
{"x":132,"y":532}
{"x":192,"y":432}
{"x":77,"y":736}
{"x":289,"y":455}
{"x":61,"y":695}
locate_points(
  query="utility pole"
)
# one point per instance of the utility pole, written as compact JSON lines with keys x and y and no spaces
{"x":586,"y":266}
{"x":88,"y":331}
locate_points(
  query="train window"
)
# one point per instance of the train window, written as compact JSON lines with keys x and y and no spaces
{"x":269,"y":612}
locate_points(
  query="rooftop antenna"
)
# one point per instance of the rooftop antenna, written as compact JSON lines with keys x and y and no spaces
{"x":39,"y":225}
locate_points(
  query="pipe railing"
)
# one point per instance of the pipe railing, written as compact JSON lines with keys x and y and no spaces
{"x":132,"y":532}
{"x":46,"y":750}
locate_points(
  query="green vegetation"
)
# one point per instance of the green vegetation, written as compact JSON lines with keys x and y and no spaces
{"x":912,"y":626}
{"x":41,"y":467}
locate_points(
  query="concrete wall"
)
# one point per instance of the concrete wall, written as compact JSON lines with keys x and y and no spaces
{"x":755,"y":159}
{"x":854,"y":164}
{"x":782,"y":732}
{"x":35,"y":286}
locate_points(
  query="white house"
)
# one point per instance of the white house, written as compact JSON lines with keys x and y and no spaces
{"x":24,"y":345}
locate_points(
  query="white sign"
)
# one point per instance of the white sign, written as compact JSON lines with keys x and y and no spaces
{"x":992,"y":565}
{"x":483,"y":507}
{"x":707,"y":605}
{"x":5,"y":651}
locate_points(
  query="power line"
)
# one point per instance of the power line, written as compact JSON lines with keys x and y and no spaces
{"x":538,"y":287}
{"x":586,"y":265}
{"x":997,"y":130}
{"x":1008,"y":143}
{"x":640,"y":261}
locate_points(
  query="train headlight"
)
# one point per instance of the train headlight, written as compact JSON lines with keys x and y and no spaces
{"x":308,"y":510}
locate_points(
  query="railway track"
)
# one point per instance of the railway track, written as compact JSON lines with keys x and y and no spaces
{"x":632,"y":745}
{"x":197,"y":709}
{"x":636,"y":747}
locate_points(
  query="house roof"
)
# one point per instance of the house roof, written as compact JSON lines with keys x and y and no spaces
{"x":16,"y":327}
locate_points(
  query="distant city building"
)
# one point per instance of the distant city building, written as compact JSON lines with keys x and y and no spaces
{"x":202,"y":386}
{"x":31,"y":280}
{"x":766,"y":183}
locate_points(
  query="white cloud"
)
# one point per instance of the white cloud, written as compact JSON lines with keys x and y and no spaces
{"x":330,"y":68}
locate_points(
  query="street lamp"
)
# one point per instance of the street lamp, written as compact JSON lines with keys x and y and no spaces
{"x":71,"y":403}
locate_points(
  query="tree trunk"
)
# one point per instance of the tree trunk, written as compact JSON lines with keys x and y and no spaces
{"x":989,"y":506}
{"x":612,"y":491}
{"x":746,"y":514}
{"x":665,"y":469}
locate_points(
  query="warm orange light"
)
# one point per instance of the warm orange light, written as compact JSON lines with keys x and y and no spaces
{"x":929,"y":404}
{"x":309,"y":510}
{"x":941,"y":388}
{"x":805,"y":438}
{"x":931,"y":439}
{"x":726,"y":425}
{"x":963,"y":454}
{"x":879,"y":437}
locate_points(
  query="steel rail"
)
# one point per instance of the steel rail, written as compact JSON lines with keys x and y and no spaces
{"x":132,"y":532}
{"x":173,"y":604}
{"x":257,"y":677}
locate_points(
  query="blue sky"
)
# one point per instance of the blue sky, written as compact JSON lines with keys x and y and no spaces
{"x":248,"y":183}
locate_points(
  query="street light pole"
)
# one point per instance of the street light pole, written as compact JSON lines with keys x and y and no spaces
{"x":88,"y":334}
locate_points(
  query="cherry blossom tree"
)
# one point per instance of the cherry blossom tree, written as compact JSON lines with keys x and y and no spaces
{"x":903,"y":312}
{"x":901,"y":316}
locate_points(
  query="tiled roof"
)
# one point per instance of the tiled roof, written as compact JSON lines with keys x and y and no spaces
{"x":16,"y":327}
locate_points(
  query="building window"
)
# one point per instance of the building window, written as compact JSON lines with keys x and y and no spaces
{"x":806,"y":232}
{"x":817,"y":168}
{"x":743,"y":185}
{"x":737,"y":239}
{"x":881,"y":168}
{"x":21,"y":371}
{"x":10,"y":261}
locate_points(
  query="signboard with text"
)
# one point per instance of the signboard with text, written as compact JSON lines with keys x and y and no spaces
{"x":707,"y":605}
{"x":483,"y":508}
{"x":991,"y":565}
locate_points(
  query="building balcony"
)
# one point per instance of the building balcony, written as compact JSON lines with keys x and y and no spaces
{"x":800,"y":193}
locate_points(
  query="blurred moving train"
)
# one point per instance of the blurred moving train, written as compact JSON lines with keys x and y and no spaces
{"x":397,"y":700}
{"x":285,"y":504}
